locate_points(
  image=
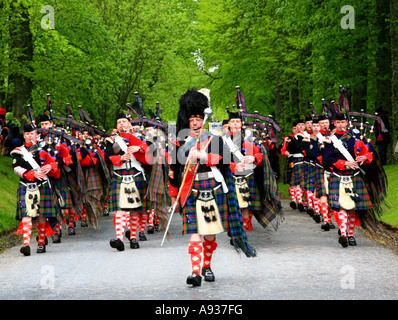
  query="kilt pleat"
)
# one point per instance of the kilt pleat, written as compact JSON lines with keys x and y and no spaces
{"x":190,"y":223}
{"x":310,"y":177}
{"x":47,"y":202}
{"x":298,"y":172}
{"x":113,"y":199}
{"x":255,"y":200}
{"x":363,"y":202}
{"x":320,"y":182}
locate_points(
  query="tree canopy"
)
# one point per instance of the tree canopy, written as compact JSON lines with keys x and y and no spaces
{"x":283,"y":54}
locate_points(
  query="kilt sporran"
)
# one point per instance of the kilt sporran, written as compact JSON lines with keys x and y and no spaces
{"x":32,"y":200}
{"x":208,"y":216}
{"x":129,"y":197}
{"x":242,"y":192}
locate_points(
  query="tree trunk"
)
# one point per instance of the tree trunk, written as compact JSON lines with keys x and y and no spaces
{"x":383,"y":57}
{"x":21,"y":48}
{"x":394,"y":78}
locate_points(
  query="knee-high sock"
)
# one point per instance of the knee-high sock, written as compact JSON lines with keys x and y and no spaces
{"x":195,"y":250}
{"x":299,"y":195}
{"x":26,"y":230}
{"x":71,"y":218}
{"x":310,"y":199}
{"x":209,"y":246}
{"x":317,"y":205}
{"x":325,"y":212}
{"x":57,"y":228}
{"x":42,"y":233}
{"x":143,"y":221}
{"x":134,"y":223}
{"x":151,"y":217}
{"x":84,"y":214}
{"x":343,"y":222}
{"x":119,"y":221}
{"x":352,"y":217}
{"x":292,"y":192}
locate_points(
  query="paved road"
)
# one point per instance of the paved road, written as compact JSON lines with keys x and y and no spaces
{"x":299,"y":261}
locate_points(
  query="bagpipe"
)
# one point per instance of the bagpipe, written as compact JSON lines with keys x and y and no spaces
{"x":154,"y":120}
{"x":361,"y":124}
{"x":262,"y":127}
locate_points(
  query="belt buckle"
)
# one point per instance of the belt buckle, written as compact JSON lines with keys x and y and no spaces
{"x":202,"y":175}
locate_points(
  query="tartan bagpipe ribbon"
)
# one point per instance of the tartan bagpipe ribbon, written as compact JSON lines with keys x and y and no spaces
{"x":156,"y":191}
{"x":271,"y":200}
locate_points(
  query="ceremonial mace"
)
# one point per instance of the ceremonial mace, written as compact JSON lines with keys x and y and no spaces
{"x":208,"y":113}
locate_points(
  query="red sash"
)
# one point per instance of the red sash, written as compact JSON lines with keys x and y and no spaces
{"x":190,"y":173}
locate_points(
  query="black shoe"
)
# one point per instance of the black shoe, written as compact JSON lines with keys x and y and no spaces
{"x":194,"y":279}
{"x":127,"y":234}
{"x":311,"y":212}
{"x":332,"y":226}
{"x":71,"y":231}
{"x":106,"y":213}
{"x":352,"y":241}
{"x":56,"y":238}
{"x":151,"y":230}
{"x":208,"y":274}
{"x":317,"y":218}
{"x":134,"y":244}
{"x":293,"y":205}
{"x":343,"y":241}
{"x":305,"y":209}
{"x":84,"y":224}
{"x":300,"y":207}
{"x":142,"y":236}
{"x":117,"y":244}
{"x":325,"y":226}
{"x":41,"y":248}
{"x":25,"y":250}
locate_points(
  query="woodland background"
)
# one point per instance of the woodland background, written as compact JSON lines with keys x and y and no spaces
{"x":283,"y":54}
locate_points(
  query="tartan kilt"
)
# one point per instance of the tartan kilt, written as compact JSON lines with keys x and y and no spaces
{"x":189,"y":218}
{"x":113,"y":199}
{"x":363,"y":203}
{"x":310,"y":180}
{"x":298,"y":172}
{"x":47,"y":202}
{"x":320,"y":182}
{"x":255,"y":200}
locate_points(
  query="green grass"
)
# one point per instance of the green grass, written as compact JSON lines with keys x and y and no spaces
{"x":8,"y":194}
{"x":390,"y":215}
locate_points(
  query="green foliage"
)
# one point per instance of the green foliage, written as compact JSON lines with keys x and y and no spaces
{"x":8,"y":186}
{"x":283,"y":54}
{"x":390,"y":216}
